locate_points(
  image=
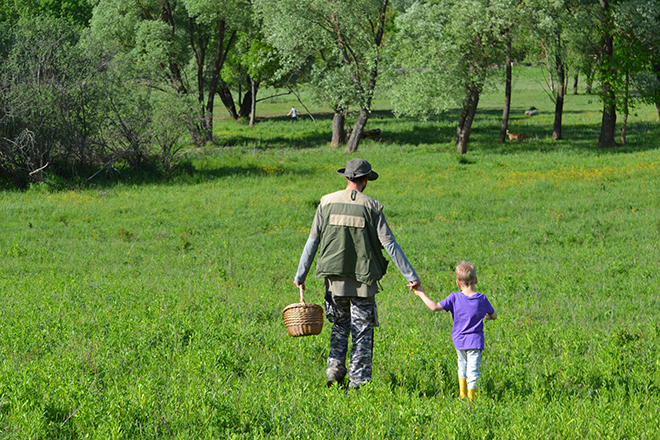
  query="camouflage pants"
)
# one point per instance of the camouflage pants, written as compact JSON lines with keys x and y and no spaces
{"x":357,"y":317}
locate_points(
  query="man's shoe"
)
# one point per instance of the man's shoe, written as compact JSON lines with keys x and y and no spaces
{"x":335,"y":374}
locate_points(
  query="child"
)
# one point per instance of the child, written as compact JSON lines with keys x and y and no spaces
{"x":469,"y":309}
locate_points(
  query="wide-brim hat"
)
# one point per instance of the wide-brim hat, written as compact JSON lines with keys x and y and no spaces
{"x":356,"y":168}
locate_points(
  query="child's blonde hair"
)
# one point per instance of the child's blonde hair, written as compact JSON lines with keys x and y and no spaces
{"x":466,"y":273}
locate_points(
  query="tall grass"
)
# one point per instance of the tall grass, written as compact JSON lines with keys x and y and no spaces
{"x":154,"y":310}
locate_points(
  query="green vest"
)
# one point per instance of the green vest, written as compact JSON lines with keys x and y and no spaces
{"x":349,"y":243}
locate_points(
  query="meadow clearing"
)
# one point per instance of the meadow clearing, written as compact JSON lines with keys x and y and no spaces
{"x":151,"y":308}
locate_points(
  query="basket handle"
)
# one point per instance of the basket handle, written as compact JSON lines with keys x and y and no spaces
{"x":302,"y":299}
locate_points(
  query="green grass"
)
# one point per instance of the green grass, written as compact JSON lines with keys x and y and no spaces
{"x":154,"y":310}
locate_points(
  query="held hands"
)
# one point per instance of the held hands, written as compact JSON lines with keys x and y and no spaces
{"x":414,"y":285}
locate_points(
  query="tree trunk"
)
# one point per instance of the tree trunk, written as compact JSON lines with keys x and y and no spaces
{"x":338,"y":130}
{"x":559,"y":110}
{"x":201,"y":132}
{"x":176,"y":77}
{"x":220,"y":57}
{"x":227,"y":99}
{"x":625,"y":110}
{"x":358,"y":128}
{"x":608,"y":125}
{"x":561,"y":91}
{"x":589,"y":81}
{"x":575,"y":84}
{"x":246,"y":103}
{"x":253,"y":101}
{"x":464,"y":128}
{"x":507,"y":92}
{"x":366,"y":95}
{"x":656,"y":69}
{"x":552,"y":83}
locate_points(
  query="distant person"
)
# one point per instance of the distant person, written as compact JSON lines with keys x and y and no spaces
{"x":469,"y":309}
{"x":350,"y":229}
{"x":294,"y":114}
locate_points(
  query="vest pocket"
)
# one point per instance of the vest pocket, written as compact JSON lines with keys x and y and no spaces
{"x":351,"y":221}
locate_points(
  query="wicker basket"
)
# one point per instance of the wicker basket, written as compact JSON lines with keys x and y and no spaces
{"x":303,"y":319}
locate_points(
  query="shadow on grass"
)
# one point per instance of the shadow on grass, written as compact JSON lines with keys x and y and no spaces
{"x":275,"y":132}
{"x":486,"y":128}
{"x":184,"y":173}
{"x":441,"y":129}
{"x":578,"y":138}
{"x":438,"y":132}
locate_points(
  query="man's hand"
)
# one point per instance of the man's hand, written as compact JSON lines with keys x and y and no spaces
{"x":299,"y":285}
{"x":414,"y":284}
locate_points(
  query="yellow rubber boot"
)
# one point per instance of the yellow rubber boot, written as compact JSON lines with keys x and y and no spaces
{"x":471,"y":394}
{"x":462,"y":385}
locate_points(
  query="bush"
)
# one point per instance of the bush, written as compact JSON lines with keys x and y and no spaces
{"x":51,"y":88}
{"x":66,"y":105}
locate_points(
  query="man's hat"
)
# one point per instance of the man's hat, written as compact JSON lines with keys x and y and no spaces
{"x":356,"y":168}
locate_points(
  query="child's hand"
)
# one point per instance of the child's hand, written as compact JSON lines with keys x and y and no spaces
{"x":414,"y":284}
{"x":487,"y":317}
{"x":418,"y":290}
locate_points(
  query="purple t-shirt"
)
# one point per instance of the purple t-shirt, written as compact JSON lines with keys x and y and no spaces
{"x":468,"y":313}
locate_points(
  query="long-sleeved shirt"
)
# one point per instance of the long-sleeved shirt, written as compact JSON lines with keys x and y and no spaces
{"x":387,"y":240}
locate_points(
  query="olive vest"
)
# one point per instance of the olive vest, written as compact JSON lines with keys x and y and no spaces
{"x":349,"y":243}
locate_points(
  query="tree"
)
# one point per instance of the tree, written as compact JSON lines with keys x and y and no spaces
{"x":343,"y":37}
{"x":639,"y":21}
{"x":224,"y":20}
{"x":516,"y":42}
{"x":169,"y":42}
{"x":629,"y":40}
{"x":504,"y":126}
{"x":311,"y":55}
{"x":446,"y":50}
{"x":608,"y":74}
{"x":331,"y":83}
{"x":553,"y":21}
{"x":253,"y":64}
{"x":52,"y":105}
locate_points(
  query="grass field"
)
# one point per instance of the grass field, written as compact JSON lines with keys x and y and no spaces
{"x":147,"y":309}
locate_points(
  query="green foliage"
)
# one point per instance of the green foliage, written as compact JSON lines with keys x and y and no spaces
{"x":638,"y":46}
{"x":66,"y":107}
{"x":443,"y":48}
{"x":51,"y":98}
{"x":339,"y":37}
{"x":252,"y":57}
{"x":76,"y":12}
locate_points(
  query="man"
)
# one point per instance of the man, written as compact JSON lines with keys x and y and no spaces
{"x":294,"y":114}
{"x":350,"y":230}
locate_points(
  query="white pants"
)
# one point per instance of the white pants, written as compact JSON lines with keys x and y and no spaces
{"x":469,"y":362}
